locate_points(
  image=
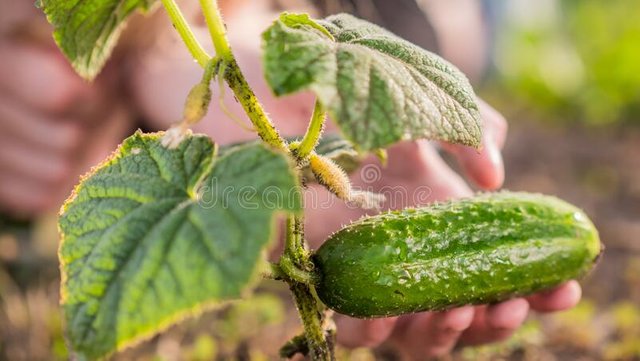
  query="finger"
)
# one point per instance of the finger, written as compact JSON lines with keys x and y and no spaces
{"x":39,"y":165}
{"x":494,"y":123}
{"x":560,"y":298}
{"x":484,"y":167}
{"x":427,"y":335}
{"x":37,"y":129}
{"x":444,"y":181}
{"x":496,"y":322}
{"x":508,"y":315}
{"x":24,"y":197}
{"x":363,"y":333}
{"x":42,"y":79}
{"x":417,"y":166}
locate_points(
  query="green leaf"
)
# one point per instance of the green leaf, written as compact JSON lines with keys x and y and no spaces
{"x":154,"y":235}
{"x":87,"y":31}
{"x":377,"y":87}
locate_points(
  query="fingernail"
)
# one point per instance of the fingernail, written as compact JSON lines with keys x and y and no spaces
{"x":495,"y":157}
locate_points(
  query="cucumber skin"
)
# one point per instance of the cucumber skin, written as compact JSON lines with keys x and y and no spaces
{"x":479,"y":250}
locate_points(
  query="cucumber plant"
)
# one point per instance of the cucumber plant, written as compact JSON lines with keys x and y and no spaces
{"x":171,"y":224}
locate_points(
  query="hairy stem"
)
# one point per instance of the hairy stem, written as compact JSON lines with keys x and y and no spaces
{"x":295,"y":262}
{"x":317,"y":342}
{"x":295,"y":272}
{"x":216,"y":26}
{"x":236,"y":80}
{"x":314,"y":131}
{"x":189,"y":39}
{"x":298,"y":344}
{"x":295,"y":266}
{"x":312,"y":319}
{"x":259,"y":118}
{"x":294,"y":243}
{"x":274,"y":272}
{"x":210,"y":70}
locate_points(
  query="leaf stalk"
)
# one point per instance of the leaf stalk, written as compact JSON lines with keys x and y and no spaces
{"x":189,"y":39}
{"x":318,"y":343}
{"x":312,"y":320}
{"x":236,"y":80}
{"x":295,"y":266}
{"x":314,"y":131}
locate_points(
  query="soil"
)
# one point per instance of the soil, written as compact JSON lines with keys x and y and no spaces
{"x":596,"y":169}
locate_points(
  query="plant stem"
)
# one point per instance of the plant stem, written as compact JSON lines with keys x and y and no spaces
{"x":295,"y":262}
{"x":319,"y":348}
{"x":296,"y":273}
{"x":294,"y":246}
{"x":297,"y":257}
{"x":259,"y":118}
{"x":312,"y":318}
{"x":190,"y":40}
{"x":236,"y":80}
{"x":210,"y":70}
{"x":314,"y":131}
{"x":274,"y":272}
{"x":298,"y":344}
{"x":216,"y":27}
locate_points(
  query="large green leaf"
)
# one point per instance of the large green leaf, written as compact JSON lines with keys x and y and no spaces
{"x":156,"y":234}
{"x":378,"y":87}
{"x":87,"y":30}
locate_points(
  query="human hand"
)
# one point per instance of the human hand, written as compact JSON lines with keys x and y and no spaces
{"x":413,"y":166}
{"x":52,"y":123}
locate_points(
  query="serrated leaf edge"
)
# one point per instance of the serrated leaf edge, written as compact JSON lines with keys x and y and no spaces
{"x":201,"y":308}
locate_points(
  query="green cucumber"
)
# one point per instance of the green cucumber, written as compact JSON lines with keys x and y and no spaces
{"x":479,"y":250}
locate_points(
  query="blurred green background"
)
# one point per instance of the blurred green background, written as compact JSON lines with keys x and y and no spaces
{"x":567,"y":76}
{"x":571,"y":61}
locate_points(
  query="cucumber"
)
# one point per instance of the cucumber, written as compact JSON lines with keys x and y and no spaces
{"x":479,"y":250}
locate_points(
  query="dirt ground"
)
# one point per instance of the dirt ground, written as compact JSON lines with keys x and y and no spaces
{"x":596,"y":169}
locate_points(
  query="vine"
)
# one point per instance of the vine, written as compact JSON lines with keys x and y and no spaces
{"x":295,"y":262}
